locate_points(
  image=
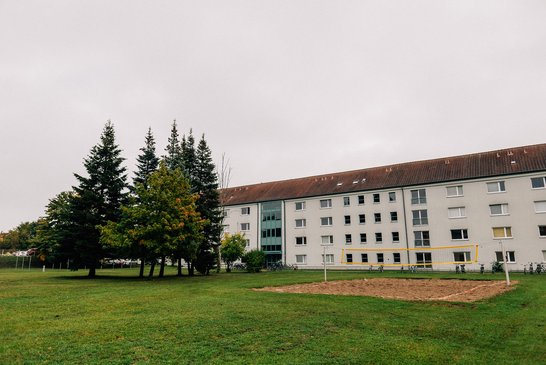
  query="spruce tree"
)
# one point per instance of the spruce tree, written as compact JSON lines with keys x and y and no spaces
{"x":173,"y":158}
{"x":208,"y":205}
{"x":147,"y":161}
{"x":189,"y":159}
{"x":97,"y":200}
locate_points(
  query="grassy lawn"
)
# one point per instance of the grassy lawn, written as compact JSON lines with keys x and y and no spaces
{"x":63,"y":317}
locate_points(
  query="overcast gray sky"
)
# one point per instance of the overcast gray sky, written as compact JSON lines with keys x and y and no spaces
{"x":285,"y":88}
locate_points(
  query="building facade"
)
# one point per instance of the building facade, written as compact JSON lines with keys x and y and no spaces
{"x":437,"y":214}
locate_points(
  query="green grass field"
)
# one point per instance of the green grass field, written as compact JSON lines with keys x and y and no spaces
{"x":63,"y":317}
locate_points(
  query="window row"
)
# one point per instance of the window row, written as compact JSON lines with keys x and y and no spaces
{"x":363,"y":238}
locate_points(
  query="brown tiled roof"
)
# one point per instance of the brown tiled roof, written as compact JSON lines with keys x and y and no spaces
{"x":478,"y":165}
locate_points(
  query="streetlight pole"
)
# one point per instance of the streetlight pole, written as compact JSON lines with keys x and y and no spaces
{"x":505,"y":263}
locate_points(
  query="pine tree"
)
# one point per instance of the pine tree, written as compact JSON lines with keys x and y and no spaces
{"x":189,"y":159}
{"x":208,"y":205}
{"x":97,"y":200}
{"x":173,"y":158}
{"x":147,"y":161}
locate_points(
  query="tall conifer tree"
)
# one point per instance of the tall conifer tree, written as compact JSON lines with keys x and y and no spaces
{"x":97,"y":200}
{"x":173,"y":158}
{"x":147,"y":161}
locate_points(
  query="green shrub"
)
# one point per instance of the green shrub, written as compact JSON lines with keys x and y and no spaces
{"x":254,"y":260}
{"x":497,"y":267}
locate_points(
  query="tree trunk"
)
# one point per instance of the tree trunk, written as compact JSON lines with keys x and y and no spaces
{"x":92,"y":272}
{"x":162,"y":267}
{"x":142,"y":264}
{"x":152,"y":267}
{"x":179,"y":267}
{"x":228,"y":266}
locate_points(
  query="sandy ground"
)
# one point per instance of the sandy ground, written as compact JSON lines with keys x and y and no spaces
{"x":405,"y":289}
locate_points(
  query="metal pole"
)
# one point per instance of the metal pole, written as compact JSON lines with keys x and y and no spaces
{"x":505,"y":264}
{"x":324,"y":261}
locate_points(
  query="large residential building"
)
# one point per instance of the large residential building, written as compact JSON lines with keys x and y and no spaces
{"x":433,"y":213}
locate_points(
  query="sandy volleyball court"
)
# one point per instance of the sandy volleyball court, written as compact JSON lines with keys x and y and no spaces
{"x":405,"y":289}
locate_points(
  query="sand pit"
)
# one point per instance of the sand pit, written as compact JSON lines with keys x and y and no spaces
{"x":404,"y":289}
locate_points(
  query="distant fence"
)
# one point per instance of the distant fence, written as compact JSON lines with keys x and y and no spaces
{"x":9,"y":262}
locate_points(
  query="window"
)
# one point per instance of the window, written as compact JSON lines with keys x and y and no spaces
{"x":392,"y":197}
{"x":327,"y":240}
{"x":347,"y":219}
{"x":376,"y":198}
{"x":538,"y":182}
{"x":540,"y":206}
{"x":360,"y":199}
{"x":396,"y":257}
{"x":271,"y":232}
{"x":301,"y":259}
{"x":418,"y":196}
{"x":364,"y":257}
{"x":496,"y":187}
{"x":459,"y":234}
{"x":349,"y":258}
{"x":300,"y":223}
{"x":380,"y":258}
{"x":346,"y":201}
{"x":394,"y":217}
{"x":422,"y":238}
{"x":245,"y":211}
{"x":247,"y":241}
{"x":225,"y":212}
{"x":502,"y":232}
{"x":463,"y":256}
{"x":363,"y":238}
{"x":454,"y":191}
{"x":542,"y":231}
{"x":348,"y":239}
{"x":377,"y":217}
{"x":457,"y":212}
{"x":301,"y":241}
{"x":326,"y":203}
{"x":420,"y":217}
{"x":300,"y":206}
{"x":361,"y":218}
{"x":329,"y":259}
{"x":326,"y":221}
{"x":424,"y":259}
{"x":378,"y":237}
{"x":245,"y":226}
{"x":510,"y":254}
{"x":395,"y":237}
{"x":498,"y":209}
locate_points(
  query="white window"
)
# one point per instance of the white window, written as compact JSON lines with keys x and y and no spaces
{"x":396,"y":257}
{"x":300,"y":206}
{"x":327,"y":240}
{"x":459,"y":234}
{"x":542,"y":231}
{"x":301,"y":259}
{"x":380,"y":258}
{"x":245,"y":226}
{"x":300,"y":223}
{"x":377,"y":217}
{"x":395,"y":237}
{"x":347,"y":219}
{"x":378,"y":237}
{"x":540,"y":206}
{"x":301,"y":241}
{"x":363,"y":238}
{"x":394,"y":217}
{"x":326,"y":221}
{"x":538,"y":182}
{"x":420,"y":217}
{"x":361,"y":218}
{"x":456,"y":212}
{"x":247,"y":242}
{"x":348,"y":239}
{"x":496,"y":187}
{"x":454,"y":191}
{"x":498,"y":209}
{"x":326,"y":203}
{"x":376,"y":198}
{"x":424,"y":259}
{"x":346,"y":201}
{"x":418,"y":196}
{"x":349,"y":258}
{"x":392,"y":197}
{"x":511,"y":256}
{"x":225,"y":212}
{"x":364,"y":257}
{"x":329,"y":259}
{"x":422,"y":238}
{"x":463,"y":256}
{"x":502,"y":232}
{"x":245,"y":211}
{"x":360,"y":199}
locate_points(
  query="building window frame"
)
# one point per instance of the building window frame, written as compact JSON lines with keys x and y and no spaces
{"x":505,"y":231}
{"x":301,"y":259}
{"x":503,"y":209}
{"x":301,"y":223}
{"x":325,"y":203}
{"x":496,"y":187}
{"x":538,"y":183}
{"x":326,"y":221}
{"x":456,"y":212}
{"x":459,"y":234}
{"x":418,"y":196}
{"x":454,"y":191}
{"x":301,"y":240}
{"x":299,"y":206}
